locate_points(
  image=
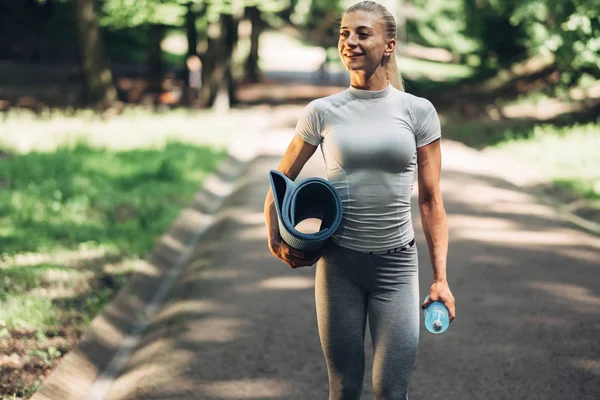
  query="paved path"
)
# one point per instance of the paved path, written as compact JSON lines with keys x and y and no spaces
{"x":241,"y":325}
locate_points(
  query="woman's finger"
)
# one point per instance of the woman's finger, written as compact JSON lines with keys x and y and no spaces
{"x":448,"y":300}
{"x":299,"y":253}
{"x":291,"y":261}
{"x":302,"y":262}
{"x":314,"y":259}
{"x":427,"y":302}
{"x":295,"y":258}
{"x":452,"y":310}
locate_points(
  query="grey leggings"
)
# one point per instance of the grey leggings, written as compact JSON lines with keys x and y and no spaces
{"x":349,"y":285}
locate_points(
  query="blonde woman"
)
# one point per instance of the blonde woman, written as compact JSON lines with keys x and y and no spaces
{"x":373,"y":137}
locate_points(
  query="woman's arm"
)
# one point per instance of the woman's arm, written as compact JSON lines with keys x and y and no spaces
{"x":433,"y":220}
{"x":294,"y":159}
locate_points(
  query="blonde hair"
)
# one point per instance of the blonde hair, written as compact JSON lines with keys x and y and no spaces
{"x":389,"y":24}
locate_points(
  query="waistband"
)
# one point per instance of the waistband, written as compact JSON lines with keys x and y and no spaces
{"x":394,"y":250}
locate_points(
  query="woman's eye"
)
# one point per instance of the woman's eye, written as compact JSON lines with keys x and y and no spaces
{"x":344,"y":34}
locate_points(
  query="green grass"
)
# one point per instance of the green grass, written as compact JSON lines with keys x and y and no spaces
{"x":21,"y":310}
{"x":77,"y":199}
{"x":83,"y":199}
{"x":136,"y":128}
{"x":565,"y":155}
{"x":27,"y":301}
{"x":18,"y":279}
{"x":83,"y":194}
{"x":568,"y":155}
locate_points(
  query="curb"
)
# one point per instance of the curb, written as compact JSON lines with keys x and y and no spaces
{"x":563,"y":210}
{"x":88,"y":370}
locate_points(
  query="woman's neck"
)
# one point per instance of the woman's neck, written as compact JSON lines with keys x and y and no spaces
{"x":364,"y":81}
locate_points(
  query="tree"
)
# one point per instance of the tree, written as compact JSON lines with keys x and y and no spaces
{"x":251,"y":68}
{"x":157,"y":16}
{"x":98,"y":82}
{"x":217,"y":75}
{"x":565,"y":29}
{"x":224,"y":17}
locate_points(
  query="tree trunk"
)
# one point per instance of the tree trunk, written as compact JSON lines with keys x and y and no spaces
{"x":217,"y":78}
{"x":190,"y":29}
{"x":252,"y":71}
{"x":232,"y":36}
{"x":155,"y":58}
{"x":98,"y":82}
{"x":193,"y":67}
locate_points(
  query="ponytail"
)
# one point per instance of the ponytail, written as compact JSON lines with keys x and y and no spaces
{"x":392,"y":73}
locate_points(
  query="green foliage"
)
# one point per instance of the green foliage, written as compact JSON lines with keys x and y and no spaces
{"x":568,"y":29}
{"x":307,"y":12}
{"x":441,"y":23}
{"x":83,"y":194}
{"x":130,"y":13}
{"x":271,"y":6}
{"x":500,"y":41}
{"x":118,"y":14}
{"x":500,"y":33}
{"x":129,"y":44}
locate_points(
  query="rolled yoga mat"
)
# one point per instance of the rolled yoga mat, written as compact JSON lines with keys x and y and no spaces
{"x":297,"y":201}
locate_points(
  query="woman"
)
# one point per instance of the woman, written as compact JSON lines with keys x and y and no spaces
{"x":372,"y":136}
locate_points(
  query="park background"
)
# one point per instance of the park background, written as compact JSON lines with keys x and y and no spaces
{"x":113,"y":112}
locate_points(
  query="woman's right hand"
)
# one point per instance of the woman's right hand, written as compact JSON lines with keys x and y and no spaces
{"x":292,"y":257}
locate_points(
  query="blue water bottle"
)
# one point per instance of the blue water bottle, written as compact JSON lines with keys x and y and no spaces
{"x":437,"y":317}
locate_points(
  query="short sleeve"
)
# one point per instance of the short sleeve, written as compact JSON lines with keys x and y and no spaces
{"x":309,"y":125}
{"x":427,"y":122}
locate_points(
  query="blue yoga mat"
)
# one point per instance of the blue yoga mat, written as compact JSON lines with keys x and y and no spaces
{"x":297,"y":201}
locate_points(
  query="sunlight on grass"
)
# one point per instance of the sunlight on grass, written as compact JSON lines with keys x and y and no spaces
{"x":82,"y":194}
{"x":75,"y":222}
{"x":21,"y":279}
{"x":569,"y":155}
{"x":87,"y":251}
{"x":415,"y":68}
{"x":27,"y":311}
{"x":135,"y":128}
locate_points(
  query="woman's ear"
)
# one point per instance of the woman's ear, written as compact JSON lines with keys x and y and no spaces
{"x":390,"y":46}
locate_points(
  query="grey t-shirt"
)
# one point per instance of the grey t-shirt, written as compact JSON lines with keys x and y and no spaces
{"x":369,"y":142}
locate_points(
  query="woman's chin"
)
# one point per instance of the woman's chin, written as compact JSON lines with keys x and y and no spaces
{"x":354,"y":66}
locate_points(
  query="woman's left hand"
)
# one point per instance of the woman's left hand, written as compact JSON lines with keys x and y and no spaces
{"x":440,"y":291}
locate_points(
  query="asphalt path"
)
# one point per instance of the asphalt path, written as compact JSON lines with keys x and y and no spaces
{"x":240,"y":324}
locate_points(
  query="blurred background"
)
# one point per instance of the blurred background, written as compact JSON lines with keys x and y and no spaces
{"x":112,"y":112}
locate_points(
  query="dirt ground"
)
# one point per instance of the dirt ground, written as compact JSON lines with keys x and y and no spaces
{"x":25,"y":360}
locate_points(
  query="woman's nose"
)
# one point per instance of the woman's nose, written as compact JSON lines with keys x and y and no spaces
{"x":352,"y":39}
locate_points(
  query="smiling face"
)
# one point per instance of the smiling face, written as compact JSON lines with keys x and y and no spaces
{"x":362,"y":42}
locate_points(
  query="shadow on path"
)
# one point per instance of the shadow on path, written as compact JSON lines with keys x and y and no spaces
{"x":242,"y":325}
